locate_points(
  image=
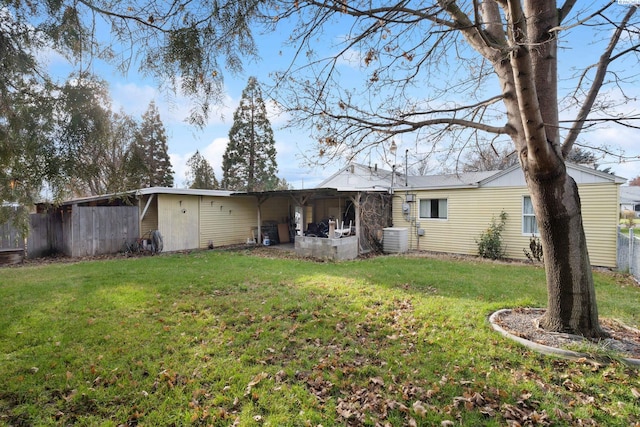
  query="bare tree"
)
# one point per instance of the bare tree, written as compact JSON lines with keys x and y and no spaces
{"x":454,"y":72}
{"x":489,"y":158}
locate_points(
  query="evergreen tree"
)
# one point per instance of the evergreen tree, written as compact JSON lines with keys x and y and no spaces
{"x":249,"y":162}
{"x":200,"y":174}
{"x":149,"y":160}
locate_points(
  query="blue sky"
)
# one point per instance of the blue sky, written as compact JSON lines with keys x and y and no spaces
{"x":133,"y":93}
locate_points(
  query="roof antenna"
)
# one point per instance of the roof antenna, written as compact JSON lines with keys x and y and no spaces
{"x":406,"y":168}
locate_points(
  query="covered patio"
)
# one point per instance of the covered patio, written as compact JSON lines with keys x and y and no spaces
{"x":316,"y":214}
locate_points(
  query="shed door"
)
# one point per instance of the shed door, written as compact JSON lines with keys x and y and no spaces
{"x":178,"y":222}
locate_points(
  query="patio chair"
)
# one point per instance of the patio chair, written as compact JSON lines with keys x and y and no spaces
{"x":342,"y":231}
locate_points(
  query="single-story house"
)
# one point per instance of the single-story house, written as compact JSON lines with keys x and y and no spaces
{"x":630,"y":200}
{"x":448,"y":213}
{"x":441,"y":213}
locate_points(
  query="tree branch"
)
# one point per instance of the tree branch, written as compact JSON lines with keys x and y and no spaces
{"x":390,"y":127}
{"x":474,"y":35}
{"x":565,"y":9}
{"x":601,"y":72}
{"x":570,"y":3}
{"x":149,"y":22}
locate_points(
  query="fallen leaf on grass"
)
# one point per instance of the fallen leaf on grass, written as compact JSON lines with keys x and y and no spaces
{"x":377,"y":381}
{"x":255,"y":381}
{"x":419,"y":409}
{"x":280,"y":376}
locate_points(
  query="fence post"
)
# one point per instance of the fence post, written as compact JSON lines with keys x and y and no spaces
{"x":631,"y":255}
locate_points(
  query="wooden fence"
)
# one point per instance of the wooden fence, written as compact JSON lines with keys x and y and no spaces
{"x":45,"y":235}
{"x":10,"y":237}
{"x":98,"y":230}
{"x":80,"y":231}
{"x":11,"y":245}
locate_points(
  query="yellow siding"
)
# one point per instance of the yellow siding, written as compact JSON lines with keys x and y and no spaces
{"x":600,"y":217}
{"x":150,"y":220}
{"x":277,"y":209}
{"x":227,"y":220}
{"x":231,"y":220}
{"x":470,"y":211}
{"x":331,"y":207}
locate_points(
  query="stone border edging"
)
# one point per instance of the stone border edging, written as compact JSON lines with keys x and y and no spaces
{"x":545,"y":349}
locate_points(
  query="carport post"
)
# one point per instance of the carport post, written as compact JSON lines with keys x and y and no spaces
{"x":260,"y":201}
{"x":302,"y":202}
{"x":259,"y":237}
{"x":356,"y":204}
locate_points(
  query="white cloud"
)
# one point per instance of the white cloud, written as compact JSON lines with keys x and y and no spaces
{"x":351,"y":58}
{"x":134,"y":99}
{"x":621,"y":141}
{"x":276,"y":112}
{"x":628,"y":170}
{"x":179,"y":164}
{"x":214,"y":152}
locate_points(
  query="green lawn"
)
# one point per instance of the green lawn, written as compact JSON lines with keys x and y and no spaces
{"x":230,"y":338}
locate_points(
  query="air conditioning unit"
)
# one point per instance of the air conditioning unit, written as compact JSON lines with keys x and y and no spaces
{"x":395,"y":240}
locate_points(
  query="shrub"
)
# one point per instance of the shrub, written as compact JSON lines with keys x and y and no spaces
{"x":490,"y":242}
{"x":628,"y":217}
{"x":536,"y":250}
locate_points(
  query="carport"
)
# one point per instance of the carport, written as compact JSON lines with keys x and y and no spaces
{"x":321,"y":204}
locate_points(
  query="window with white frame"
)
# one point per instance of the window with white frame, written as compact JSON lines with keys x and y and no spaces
{"x":529,"y":225}
{"x":433,"y":208}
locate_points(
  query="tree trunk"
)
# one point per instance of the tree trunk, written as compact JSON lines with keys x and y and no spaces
{"x":571,"y":305}
{"x":571,"y":300}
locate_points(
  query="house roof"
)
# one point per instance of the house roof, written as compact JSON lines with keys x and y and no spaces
{"x":359,"y":177}
{"x":630,"y":194}
{"x":356,"y":177}
{"x":183,"y":191}
{"x":142,"y":192}
{"x":462,"y":179}
{"x":580,"y":173}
